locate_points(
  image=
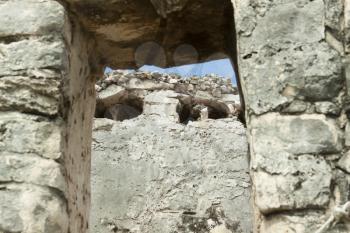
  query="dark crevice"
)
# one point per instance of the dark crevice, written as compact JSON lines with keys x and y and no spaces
{"x":195,"y":110}
{"x":14,"y":38}
{"x":126,"y":108}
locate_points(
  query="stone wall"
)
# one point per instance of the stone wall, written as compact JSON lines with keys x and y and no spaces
{"x":294,"y":72}
{"x":291,"y":57}
{"x":154,"y":174}
{"x":47,"y":103}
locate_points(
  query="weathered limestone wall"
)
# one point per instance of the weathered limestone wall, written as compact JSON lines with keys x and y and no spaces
{"x":152,"y":174}
{"x":292,"y":72}
{"x":46,"y":103}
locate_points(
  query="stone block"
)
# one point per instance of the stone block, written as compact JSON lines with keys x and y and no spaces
{"x":111,"y":95}
{"x":306,"y":222}
{"x":34,"y":94}
{"x":22,"y":134}
{"x":305,"y":134}
{"x":327,"y":108}
{"x":31,"y":209}
{"x":290,"y":22}
{"x":293,"y":63}
{"x":283,"y":73}
{"x":18,"y":57}
{"x":21,"y":18}
{"x":162,"y":103}
{"x":283,"y":182}
{"x":344,"y":162}
{"x":32,"y":170}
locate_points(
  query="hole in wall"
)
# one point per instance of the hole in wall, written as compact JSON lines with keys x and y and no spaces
{"x":201,"y":110}
{"x":128,"y":107}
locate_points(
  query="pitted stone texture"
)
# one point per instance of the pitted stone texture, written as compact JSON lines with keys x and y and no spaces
{"x":31,"y":169}
{"x":31,"y":209}
{"x":305,"y":134}
{"x":291,"y":74}
{"x":22,"y":133}
{"x":289,"y":21}
{"x":145,"y":180}
{"x":304,"y":222}
{"x":285,"y":182}
{"x":292,"y":64}
{"x":18,"y":57}
{"x":285,"y":178}
{"x":162,"y":103}
{"x":37,"y":93}
{"x":35,"y":18}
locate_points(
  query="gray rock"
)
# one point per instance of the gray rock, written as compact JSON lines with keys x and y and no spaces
{"x":30,"y":94}
{"x":36,"y":18}
{"x":162,"y":103}
{"x":18,"y":57}
{"x":305,"y":222}
{"x":305,"y":134}
{"x":32,"y":170}
{"x":327,"y":108}
{"x":296,"y":106}
{"x":286,"y":182}
{"x":32,"y":209}
{"x":22,"y":133}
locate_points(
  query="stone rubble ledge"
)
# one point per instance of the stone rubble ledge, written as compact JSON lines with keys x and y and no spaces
{"x":165,"y":95}
{"x":212,"y":84}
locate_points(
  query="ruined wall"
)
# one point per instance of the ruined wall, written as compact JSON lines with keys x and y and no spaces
{"x":291,"y":60}
{"x":294,"y":71}
{"x":154,"y":174}
{"x":46,"y":97}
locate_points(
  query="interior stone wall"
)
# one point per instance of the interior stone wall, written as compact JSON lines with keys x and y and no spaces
{"x":291,"y":61}
{"x":47,"y":103}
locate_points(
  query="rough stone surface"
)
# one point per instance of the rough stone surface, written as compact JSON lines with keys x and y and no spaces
{"x":31,"y":209}
{"x":44,"y":88}
{"x":298,"y":223}
{"x":285,"y":182}
{"x":306,"y":134}
{"x":293,"y":65}
{"x":31,"y":134}
{"x":142,"y":173}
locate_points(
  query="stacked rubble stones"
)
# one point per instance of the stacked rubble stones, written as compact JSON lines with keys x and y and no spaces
{"x":211,"y":90}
